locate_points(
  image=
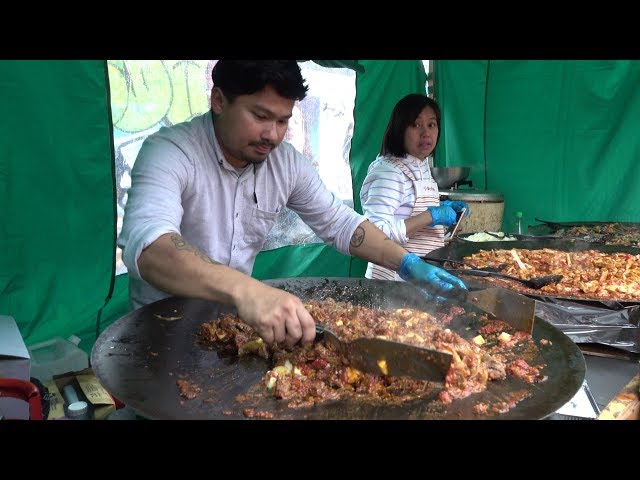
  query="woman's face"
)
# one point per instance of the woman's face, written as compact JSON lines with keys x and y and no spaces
{"x":421,"y":136}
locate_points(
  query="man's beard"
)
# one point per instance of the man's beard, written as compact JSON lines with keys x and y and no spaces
{"x":257,"y":161}
{"x":253,"y":160}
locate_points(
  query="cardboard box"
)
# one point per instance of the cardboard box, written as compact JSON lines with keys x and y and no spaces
{"x":15,"y":362}
{"x":88,"y":389}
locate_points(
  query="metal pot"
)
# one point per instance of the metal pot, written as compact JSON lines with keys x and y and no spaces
{"x":447,"y":177}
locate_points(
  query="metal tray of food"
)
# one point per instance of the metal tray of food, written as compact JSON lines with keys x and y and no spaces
{"x":612,"y":322}
{"x":608,"y":233}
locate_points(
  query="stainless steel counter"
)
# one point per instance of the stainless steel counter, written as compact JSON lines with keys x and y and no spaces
{"x":605,"y":377}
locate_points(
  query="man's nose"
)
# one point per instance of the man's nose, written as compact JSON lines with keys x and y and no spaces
{"x":270,"y":132}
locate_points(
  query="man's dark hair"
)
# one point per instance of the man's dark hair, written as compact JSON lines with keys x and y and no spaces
{"x":245,"y":77}
{"x":404,"y":114}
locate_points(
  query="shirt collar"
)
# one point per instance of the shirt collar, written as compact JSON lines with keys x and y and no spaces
{"x":219,"y":157}
{"x":415,"y":160}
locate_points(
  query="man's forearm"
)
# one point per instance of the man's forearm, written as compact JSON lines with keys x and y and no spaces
{"x":371,"y":244}
{"x":178,"y":268}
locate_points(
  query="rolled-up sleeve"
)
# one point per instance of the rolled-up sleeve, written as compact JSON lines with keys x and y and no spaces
{"x":153,"y":207}
{"x":382,"y":193}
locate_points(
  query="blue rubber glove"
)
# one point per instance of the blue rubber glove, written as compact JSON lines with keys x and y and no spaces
{"x":457,"y":205}
{"x":442,"y":215}
{"x":431,"y":280}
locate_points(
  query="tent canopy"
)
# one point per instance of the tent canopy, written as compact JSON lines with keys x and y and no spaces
{"x":557,"y":138}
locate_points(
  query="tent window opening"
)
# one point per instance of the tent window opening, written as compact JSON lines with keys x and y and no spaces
{"x":149,"y":94}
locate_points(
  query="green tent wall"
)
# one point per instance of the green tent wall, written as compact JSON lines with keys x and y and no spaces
{"x":558,"y":138}
{"x":57,"y":191}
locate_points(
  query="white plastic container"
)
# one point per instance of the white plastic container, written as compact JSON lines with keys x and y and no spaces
{"x":56,"y":356}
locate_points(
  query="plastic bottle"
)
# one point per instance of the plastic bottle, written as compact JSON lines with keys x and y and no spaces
{"x":57,"y":356}
{"x":518,"y":224}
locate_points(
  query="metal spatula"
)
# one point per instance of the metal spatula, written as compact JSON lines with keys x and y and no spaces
{"x":442,"y":261}
{"x":451,"y":231}
{"x":535,"y":282}
{"x":510,"y":307}
{"x":387,"y":357}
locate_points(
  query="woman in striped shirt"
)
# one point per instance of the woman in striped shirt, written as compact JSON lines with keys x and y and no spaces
{"x":399,"y":195}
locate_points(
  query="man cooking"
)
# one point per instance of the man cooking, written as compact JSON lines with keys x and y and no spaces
{"x":205,"y":193}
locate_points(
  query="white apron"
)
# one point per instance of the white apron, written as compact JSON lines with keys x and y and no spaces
{"x":425,"y":239}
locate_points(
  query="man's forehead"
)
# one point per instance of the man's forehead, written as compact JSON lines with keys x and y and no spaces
{"x":269,"y":103}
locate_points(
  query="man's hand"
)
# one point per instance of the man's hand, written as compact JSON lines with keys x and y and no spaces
{"x":276,"y":315}
{"x":432,"y":280}
{"x":442,"y":215}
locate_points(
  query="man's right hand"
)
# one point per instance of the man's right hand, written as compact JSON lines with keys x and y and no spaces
{"x":276,"y":315}
{"x":433,"y":280}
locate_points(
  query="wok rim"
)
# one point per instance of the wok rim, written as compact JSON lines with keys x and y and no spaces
{"x":110,"y":361}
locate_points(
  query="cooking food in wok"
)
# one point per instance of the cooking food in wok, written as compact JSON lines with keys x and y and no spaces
{"x":153,"y":360}
{"x":309,"y":375}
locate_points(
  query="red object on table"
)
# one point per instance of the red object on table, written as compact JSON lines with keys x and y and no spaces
{"x":23,"y":390}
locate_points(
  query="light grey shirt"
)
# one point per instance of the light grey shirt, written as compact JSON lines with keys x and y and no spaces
{"x":182,"y":183}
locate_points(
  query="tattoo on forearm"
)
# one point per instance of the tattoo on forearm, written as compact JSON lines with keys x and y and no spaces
{"x":181,"y":244}
{"x":358,"y":237}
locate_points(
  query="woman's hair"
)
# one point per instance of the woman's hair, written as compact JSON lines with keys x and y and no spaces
{"x":404,"y":114}
{"x":245,"y":77}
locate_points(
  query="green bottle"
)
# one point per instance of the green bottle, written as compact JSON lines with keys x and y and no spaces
{"x":518,"y":225}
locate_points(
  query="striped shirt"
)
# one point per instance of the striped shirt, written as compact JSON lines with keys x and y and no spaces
{"x":182,"y":183}
{"x":388,"y":196}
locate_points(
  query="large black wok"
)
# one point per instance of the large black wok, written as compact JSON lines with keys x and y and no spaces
{"x":459,"y":249}
{"x":140,"y":357}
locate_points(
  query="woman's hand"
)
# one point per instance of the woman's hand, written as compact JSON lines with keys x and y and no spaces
{"x":442,"y":215}
{"x":457,"y":205}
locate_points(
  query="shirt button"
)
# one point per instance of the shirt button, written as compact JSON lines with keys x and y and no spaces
{"x":236,"y":214}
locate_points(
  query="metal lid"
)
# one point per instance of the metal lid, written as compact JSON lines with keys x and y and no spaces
{"x":472,"y":195}
{"x":77,"y":409}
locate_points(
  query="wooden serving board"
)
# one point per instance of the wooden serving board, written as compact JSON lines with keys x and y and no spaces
{"x":626,"y":404}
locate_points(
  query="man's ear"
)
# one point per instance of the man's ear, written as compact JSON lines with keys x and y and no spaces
{"x":217,"y":100}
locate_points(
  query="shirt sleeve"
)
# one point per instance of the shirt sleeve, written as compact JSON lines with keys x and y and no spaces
{"x":382,"y":194}
{"x":325,"y":213}
{"x":158,"y":177}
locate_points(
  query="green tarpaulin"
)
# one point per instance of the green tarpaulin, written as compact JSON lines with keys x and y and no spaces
{"x":557,"y":138}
